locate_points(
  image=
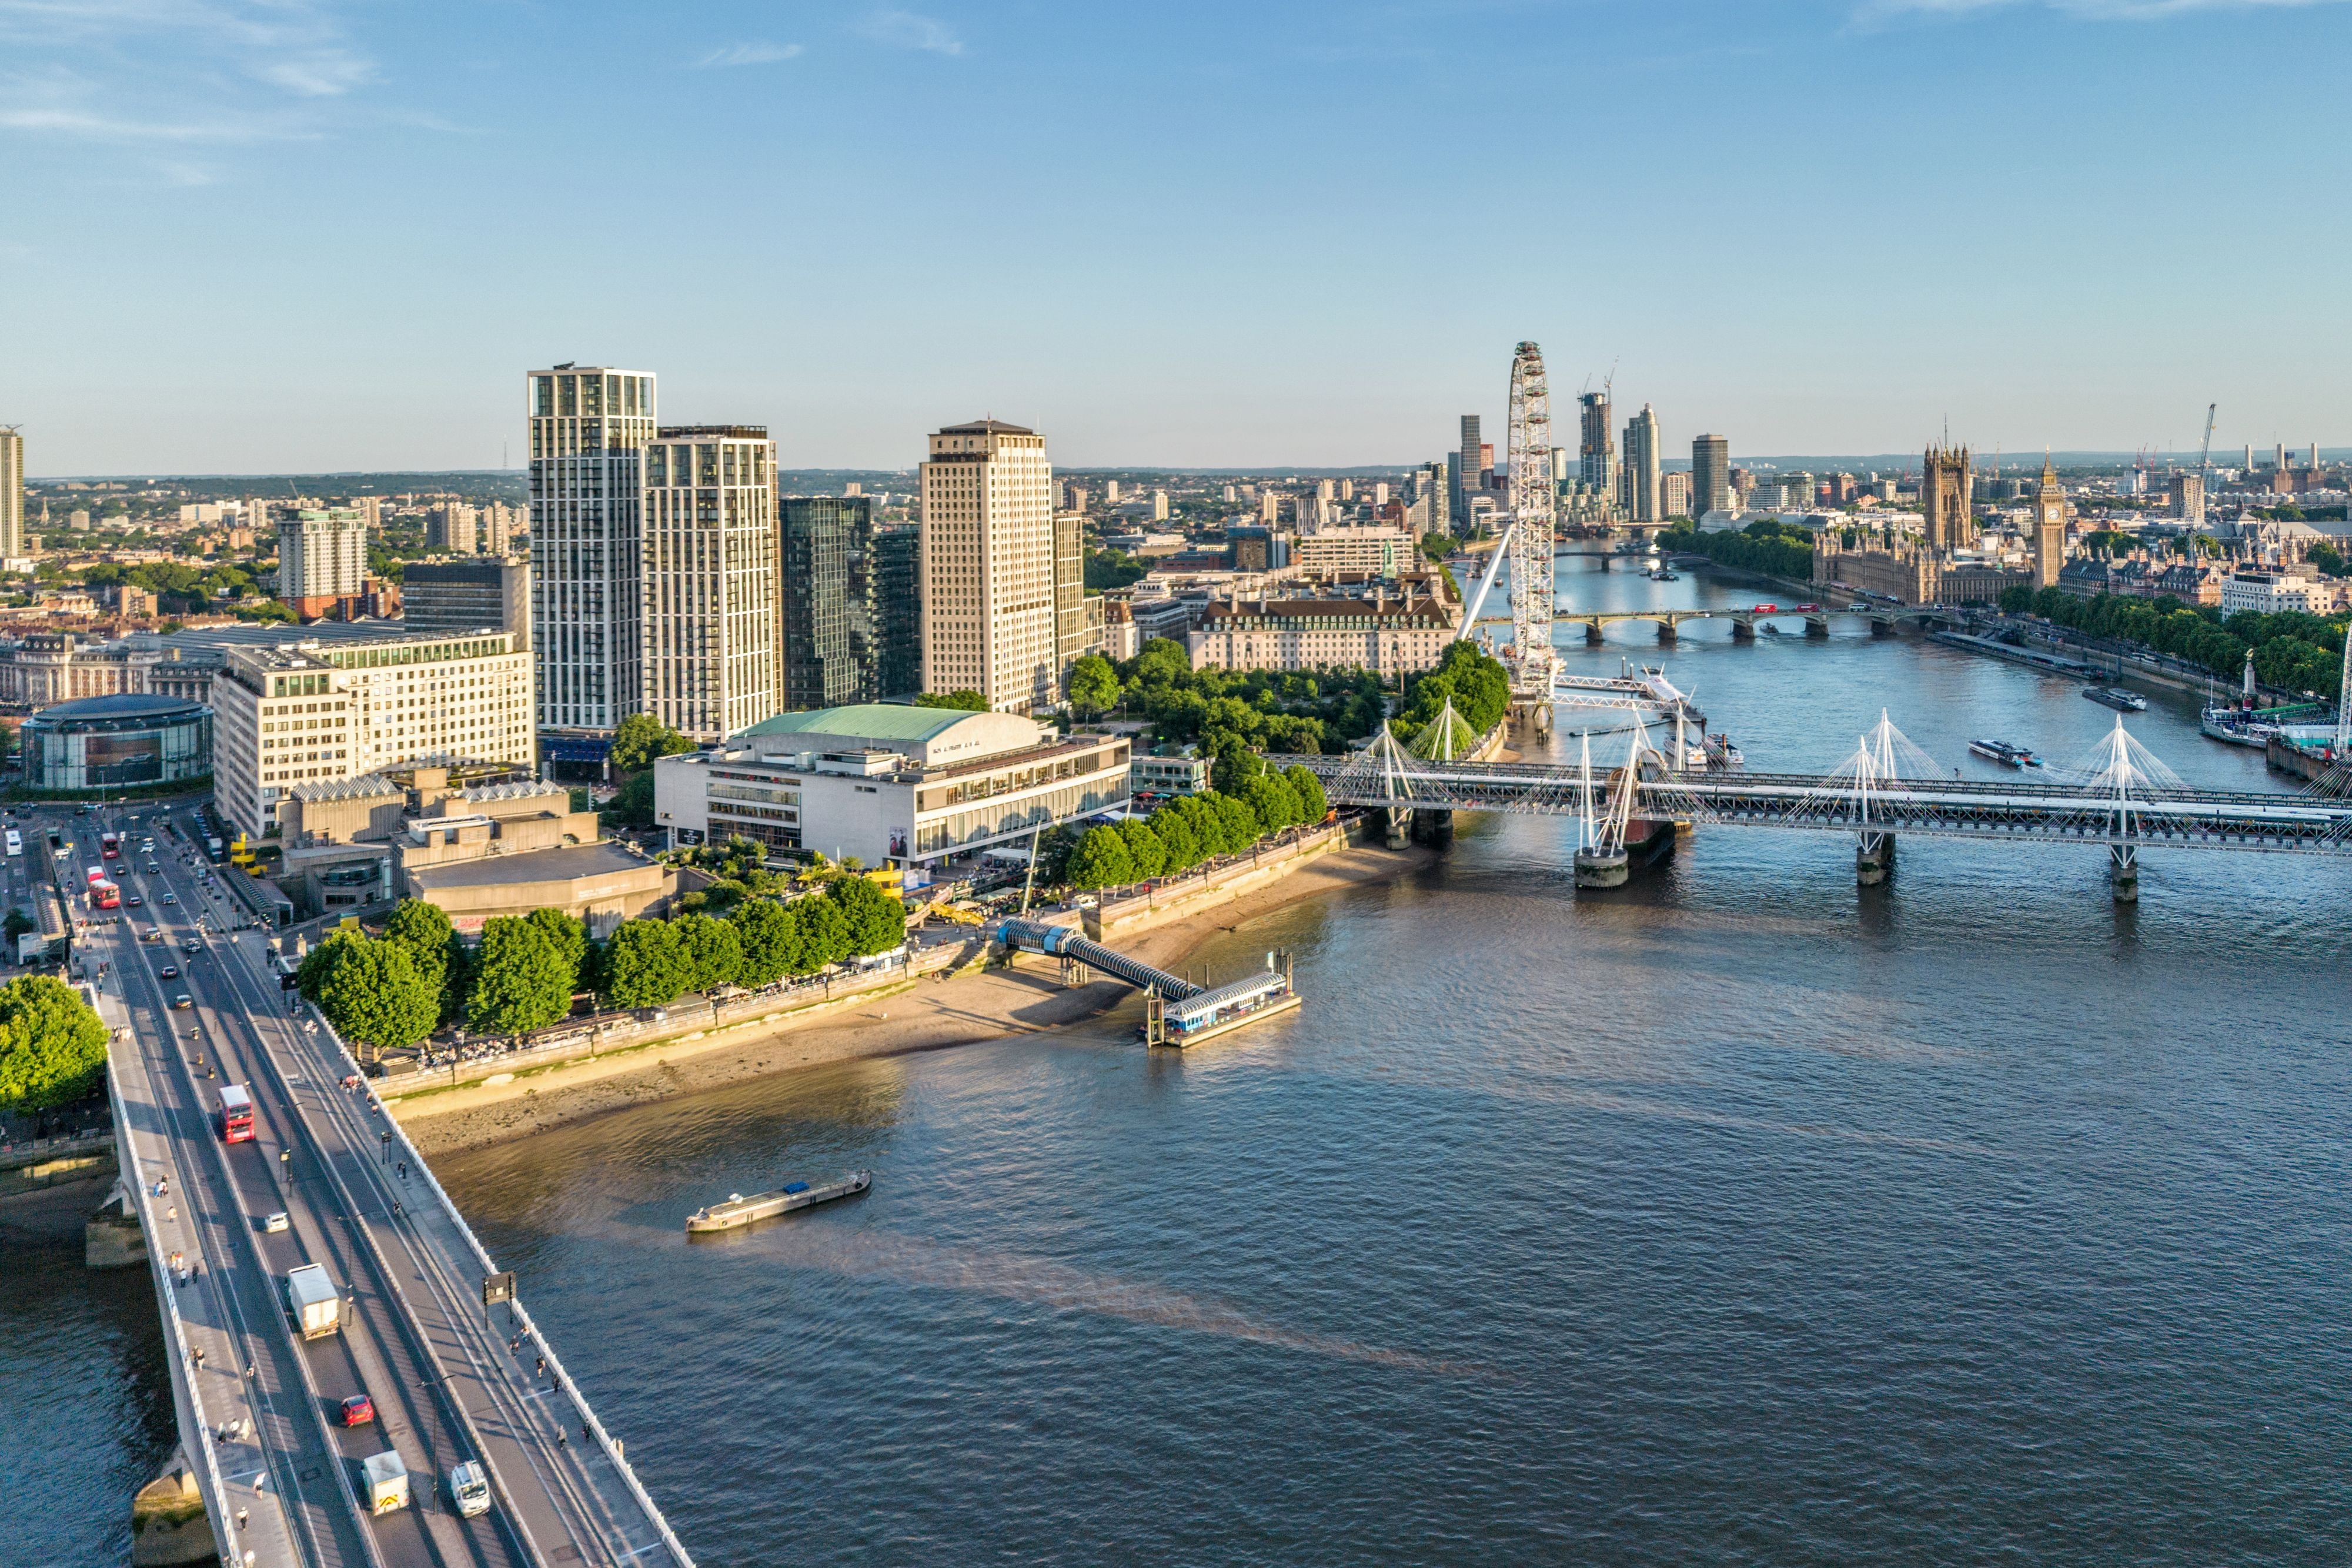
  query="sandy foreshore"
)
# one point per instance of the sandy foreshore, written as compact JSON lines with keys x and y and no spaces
{"x":927,"y":1015}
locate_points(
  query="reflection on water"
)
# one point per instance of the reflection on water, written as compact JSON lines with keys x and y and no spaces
{"x":1742,"y":1215}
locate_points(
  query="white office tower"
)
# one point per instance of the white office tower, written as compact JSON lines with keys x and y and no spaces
{"x":988,"y":566}
{"x":1644,"y":499}
{"x":12,"y":493}
{"x":713,"y":623}
{"x":589,"y":427}
{"x":322,"y":558}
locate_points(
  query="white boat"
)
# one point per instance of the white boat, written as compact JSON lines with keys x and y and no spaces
{"x":738,"y":1210}
{"x":2117,"y":697}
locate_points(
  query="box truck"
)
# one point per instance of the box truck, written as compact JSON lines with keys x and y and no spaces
{"x":312,"y":1302}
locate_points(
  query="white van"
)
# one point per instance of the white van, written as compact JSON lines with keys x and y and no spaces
{"x":469,"y":1488}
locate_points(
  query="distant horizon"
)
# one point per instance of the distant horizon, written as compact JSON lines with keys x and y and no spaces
{"x":2063,"y":456}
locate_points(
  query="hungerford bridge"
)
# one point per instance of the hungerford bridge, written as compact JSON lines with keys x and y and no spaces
{"x":2122,"y":799}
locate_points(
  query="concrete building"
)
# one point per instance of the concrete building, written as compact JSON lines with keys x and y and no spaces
{"x":506,"y":850}
{"x":12,"y":493}
{"x":1947,"y":490}
{"x":1380,"y":552}
{"x":2049,"y":527}
{"x":446,"y":598}
{"x":321,"y":559}
{"x":890,"y":785}
{"x":2187,"y":495}
{"x":1159,"y":779}
{"x":2268,"y":593}
{"x":1389,"y":636}
{"x":301,"y":711}
{"x":455,"y":528}
{"x":589,"y":427}
{"x":1469,"y":465}
{"x":1644,"y":499}
{"x":712,"y":627}
{"x":988,"y":557}
{"x":1710,"y":476}
{"x":1675,"y":495}
{"x":898,"y":600}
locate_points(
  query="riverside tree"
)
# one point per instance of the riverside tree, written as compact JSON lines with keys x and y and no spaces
{"x":645,"y":965}
{"x":769,"y":938}
{"x":569,"y":936}
{"x":52,"y":1047}
{"x":371,"y":990}
{"x":1101,"y":860}
{"x":1313,"y":807}
{"x":713,"y":951}
{"x":872,"y":921}
{"x":522,"y":979}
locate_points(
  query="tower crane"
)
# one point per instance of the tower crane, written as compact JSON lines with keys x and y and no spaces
{"x":2205,"y":458}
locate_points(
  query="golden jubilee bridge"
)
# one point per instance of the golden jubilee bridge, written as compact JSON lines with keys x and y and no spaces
{"x":2122,"y":799}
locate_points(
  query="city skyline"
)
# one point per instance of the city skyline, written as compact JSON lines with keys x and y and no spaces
{"x":1797,"y":270}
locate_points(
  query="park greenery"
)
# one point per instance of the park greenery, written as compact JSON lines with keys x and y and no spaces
{"x":966,"y":701}
{"x":2294,"y":651}
{"x":638,"y":742}
{"x":1193,"y":829}
{"x":1437,"y":547}
{"x":52,"y":1046}
{"x":392,"y":991}
{"x":1473,"y":680}
{"x":1768,"y":546}
{"x":1230,"y":711}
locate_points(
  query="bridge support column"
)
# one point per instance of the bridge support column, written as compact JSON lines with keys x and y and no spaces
{"x":1396,"y":826}
{"x":1667,"y":633}
{"x":1817,"y":626}
{"x":1532,"y":713}
{"x":1880,"y":627}
{"x":1743,"y":631}
{"x":1433,"y":826}
{"x":1874,"y":858}
{"x":1592,"y":638}
{"x":2123,"y":873}
{"x":1602,"y":868}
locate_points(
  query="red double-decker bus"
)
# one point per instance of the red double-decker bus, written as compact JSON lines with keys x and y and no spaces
{"x":235,"y":1114}
{"x":111,"y":845}
{"x":104,"y":894}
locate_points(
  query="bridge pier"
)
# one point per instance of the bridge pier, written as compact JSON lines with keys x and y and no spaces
{"x":1667,"y":633}
{"x":1743,"y":628}
{"x":1881,"y":627}
{"x":1817,"y":626}
{"x":1433,"y":826}
{"x":1592,"y":638}
{"x":1602,"y":868}
{"x":2123,"y":873}
{"x":1396,"y":826}
{"x":1873,"y":859}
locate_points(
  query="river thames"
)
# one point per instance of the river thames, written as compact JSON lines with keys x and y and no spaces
{"x":1742,"y":1214}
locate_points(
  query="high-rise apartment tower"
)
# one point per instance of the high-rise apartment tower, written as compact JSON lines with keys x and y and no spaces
{"x":589,"y":427}
{"x":853,"y":629}
{"x":711,"y":627}
{"x":12,"y":492}
{"x":321,"y":559}
{"x":1597,"y":448}
{"x":1472,"y":466}
{"x":989,"y":623}
{"x":1642,"y":500}
{"x":1710,"y":476}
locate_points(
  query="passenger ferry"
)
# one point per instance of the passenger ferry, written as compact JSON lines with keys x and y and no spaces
{"x":1208,"y":1014}
{"x":2005,"y":753}
{"x":1721,"y":753}
{"x":2117,"y":697}
{"x":738,"y":1210}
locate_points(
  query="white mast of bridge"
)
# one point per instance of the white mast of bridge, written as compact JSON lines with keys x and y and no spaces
{"x":1533,"y":661}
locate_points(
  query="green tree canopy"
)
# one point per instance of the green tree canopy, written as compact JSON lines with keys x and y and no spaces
{"x":713,"y":950}
{"x":645,"y":965}
{"x":424,"y":930}
{"x":970,"y":701}
{"x":52,"y":1046}
{"x":823,"y":933}
{"x":641,"y":739}
{"x":523,"y":981}
{"x":872,"y":921}
{"x":1173,"y":828}
{"x":1437,"y":547}
{"x":1144,"y":851}
{"x":371,"y":990}
{"x":1101,"y":860}
{"x":1093,"y":684}
{"x":1242,"y":826}
{"x":1273,"y":800}
{"x":1312,"y":805}
{"x":769,"y":939}
{"x":569,"y":937}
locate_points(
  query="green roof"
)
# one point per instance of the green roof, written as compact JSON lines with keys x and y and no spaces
{"x":867,"y":721}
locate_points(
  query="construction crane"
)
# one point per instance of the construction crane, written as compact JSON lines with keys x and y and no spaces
{"x":2205,"y":458}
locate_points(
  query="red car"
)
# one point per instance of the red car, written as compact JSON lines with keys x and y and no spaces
{"x":359,"y":1410}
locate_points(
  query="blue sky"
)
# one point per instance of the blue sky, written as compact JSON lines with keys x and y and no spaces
{"x":253,"y":236}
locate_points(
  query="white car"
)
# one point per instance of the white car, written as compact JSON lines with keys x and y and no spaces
{"x":274,"y":1223}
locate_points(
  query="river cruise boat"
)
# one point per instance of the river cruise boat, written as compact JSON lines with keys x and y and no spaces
{"x":2005,"y":753}
{"x":2117,"y":697}
{"x":1663,"y":575}
{"x":738,"y":1210}
{"x":1721,"y":753}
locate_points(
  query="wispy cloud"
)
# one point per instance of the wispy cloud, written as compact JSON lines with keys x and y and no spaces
{"x":906,"y":30}
{"x":748,"y":54}
{"x":153,"y":51}
{"x":64,"y":105}
{"x":2096,"y":10}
